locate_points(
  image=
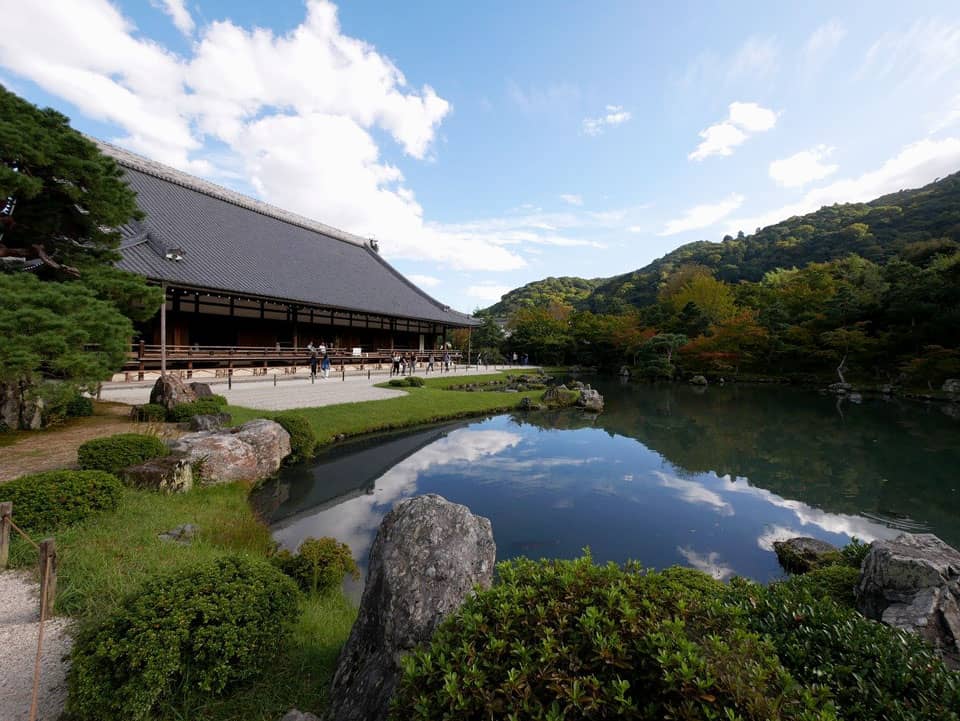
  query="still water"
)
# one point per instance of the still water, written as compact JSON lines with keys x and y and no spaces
{"x":666,"y":475}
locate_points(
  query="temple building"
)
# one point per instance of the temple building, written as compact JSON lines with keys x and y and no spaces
{"x":240,"y":272}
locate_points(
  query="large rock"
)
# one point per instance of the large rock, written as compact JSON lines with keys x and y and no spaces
{"x":201,"y":390}
{"x":210,"y":421}
{"x":20,"y":408}
{"x":169,"y":391}
{"x":801,"y":554}
{"x":951,"y":386}
{"x":428,"y":556}
{"x":252,"y":452}
{"x":590,"y":400}
{"x":168,"y":474}
{"x":698,"y":381}
{"x":913,"y":583}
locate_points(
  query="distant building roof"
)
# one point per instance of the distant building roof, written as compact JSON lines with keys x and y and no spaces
{"x":230,"y":242}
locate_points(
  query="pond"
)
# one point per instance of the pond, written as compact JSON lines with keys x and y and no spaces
{"x":665,"y":475}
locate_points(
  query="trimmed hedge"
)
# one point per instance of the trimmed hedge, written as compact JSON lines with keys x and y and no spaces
{"x":571,"y":640}
{"x":183,"y":635}
{"x":407,"y":382}
{"x":79,"y":407}
{"x":319,"y":565}
{"x":870,"y":671}
{"x":303,"y":439}
{"x":55,"y":499}
{"x":208,"y":405}
{"x":148,"y":412}
{"x":114,"y":453}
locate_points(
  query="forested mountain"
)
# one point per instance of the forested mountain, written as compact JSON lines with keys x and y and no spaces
{"x":567,"y":291}
{"x":910,"y":222}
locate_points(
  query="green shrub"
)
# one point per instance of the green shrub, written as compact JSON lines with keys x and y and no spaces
{"x":184,"y":635}
{"x":79,"y":407}
{"x":303,"y":439}
{"x":834,"y":582}
{"x":319,"y":565}
{"x":397,"y":382}
{"x":208,"y":405}
{"x":214,"y":398}
{"x":854,"y":552}
{"x":870,"y":670}
{"x":55,"y":499}
{"x":114,"y":453}
{"x":150,"y":413}
{"x":571,"y":640}
{"x":415,"y":381}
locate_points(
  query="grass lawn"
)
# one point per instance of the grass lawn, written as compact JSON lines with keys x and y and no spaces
{"x":428,"y":404}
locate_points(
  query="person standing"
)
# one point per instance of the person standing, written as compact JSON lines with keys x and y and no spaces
{"x":514,"y":357}
{"x":325,"y":365}
{"x":446,"y":361}
{"x":313,"y":360}
{"x":395,"y":368}
{"x":430,"y":363}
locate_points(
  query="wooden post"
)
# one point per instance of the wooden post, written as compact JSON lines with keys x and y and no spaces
{"x":6,"y":512}
{"x":48,"y":583}
{"x":163,"y":331}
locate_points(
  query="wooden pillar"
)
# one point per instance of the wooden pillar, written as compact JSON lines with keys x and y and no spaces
{"x":48,"y":582}
{"x":6,"y":513}
{"x":163,"y":331}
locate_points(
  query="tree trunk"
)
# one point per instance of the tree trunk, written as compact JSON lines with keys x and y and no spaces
{"x":843,"y":364}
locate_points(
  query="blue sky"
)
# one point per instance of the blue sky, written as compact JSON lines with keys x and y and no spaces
{"x":491,"y":144}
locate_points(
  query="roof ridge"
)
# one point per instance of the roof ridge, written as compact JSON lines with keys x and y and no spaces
{"x":142,"y":164}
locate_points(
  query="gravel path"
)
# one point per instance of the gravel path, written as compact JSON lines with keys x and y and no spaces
{"x":290,"y":392}
{"x":19,"y":626}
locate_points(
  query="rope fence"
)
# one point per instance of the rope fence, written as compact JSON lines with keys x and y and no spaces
{"x":47,"y":552}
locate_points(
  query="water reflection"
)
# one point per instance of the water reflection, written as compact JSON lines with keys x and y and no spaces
{"x":663,"y":476}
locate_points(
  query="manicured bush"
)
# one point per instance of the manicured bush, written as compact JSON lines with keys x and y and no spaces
{"x":571,"y":640}
{"x":150,"y":413}
{"x":184,"y":635}
{"x":114,"y":453}
{"x":415,"y":381}
{"x":834,"y":582}
{"x":215,"y":398}
{"x":303,"y":439}
{"x":55,"y":499}
{"x":397,"y":382}
{"x":79,"y":407}
{"x":208,"y":405}
{"x":319,"y":565}
{"x":870,"y":670}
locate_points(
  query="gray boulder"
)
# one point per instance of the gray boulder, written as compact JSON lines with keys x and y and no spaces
{"x":181,"y":535}
{"x":590,"y":400}
{"x":556,"y":395}
{"x":799,"y":555}
{"x":624,"y":372}
{"x":168,"y":474}
{"x":913,"y":583}
{"x":210,"y":422}
{"x":428,"y":556}
{"x":296,"y":715}
{"x":20,"y":408}
{"x":951,"y":386}
{"x":252,"y":452}
{"x":170,"y":391}
{"x":698,"y":381}
{"x":201,"y":390}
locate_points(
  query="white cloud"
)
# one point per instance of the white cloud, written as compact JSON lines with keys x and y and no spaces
{"x":757,"y":58}
{"x":821,"y":45}
{"x":703,"y":216}
{"x":709,"y":563}
{"x":803,"y":167}
{"x":425,"y":281}
{"x":177,"y":10}
{"x":694,"y":492}
{"x":571,"y":199}
{"x":915,"y":165}
{"x":491,"y":293}
{"x":291,"y":115}
{"x":922,"y":54}
{"x":615,"y":115}
{"x":742,"y":120}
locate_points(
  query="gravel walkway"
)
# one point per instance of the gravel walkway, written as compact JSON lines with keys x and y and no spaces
{"x":19,"y":626}
{"x":290,"y":392}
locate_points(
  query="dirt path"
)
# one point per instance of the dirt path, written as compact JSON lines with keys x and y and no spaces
{"x":19,"y":627}
{"x":55,"y":448}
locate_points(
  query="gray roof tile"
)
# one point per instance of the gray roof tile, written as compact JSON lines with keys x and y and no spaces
{"x":234,"y":243}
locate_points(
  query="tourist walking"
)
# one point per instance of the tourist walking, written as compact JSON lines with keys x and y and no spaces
{"x":395,"y":368}
{"x":446,"y":361}
{"x":325,"y":365}
{"x":430,"y":363}
{"x":514,"y":358}
{"x":313,"y":360}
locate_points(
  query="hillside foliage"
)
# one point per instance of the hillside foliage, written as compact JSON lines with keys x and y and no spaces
{"x":565,"y":290}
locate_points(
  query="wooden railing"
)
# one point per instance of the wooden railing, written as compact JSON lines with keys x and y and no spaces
{"x":144,"y":357}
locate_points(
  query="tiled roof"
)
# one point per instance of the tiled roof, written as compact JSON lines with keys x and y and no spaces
{"x":234,"y":243}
